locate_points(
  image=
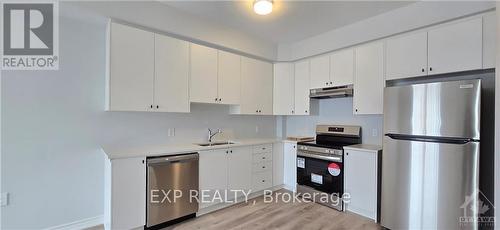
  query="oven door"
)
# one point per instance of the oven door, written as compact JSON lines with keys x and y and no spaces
{"x":321,"y":173}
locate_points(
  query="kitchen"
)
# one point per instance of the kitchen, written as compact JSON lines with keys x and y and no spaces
{"x":95,"y":122}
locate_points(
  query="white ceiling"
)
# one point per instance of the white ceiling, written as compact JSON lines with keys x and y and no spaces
{"x":291,"y":20}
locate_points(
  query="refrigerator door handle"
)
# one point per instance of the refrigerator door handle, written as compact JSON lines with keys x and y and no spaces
{"x":448,"y":140}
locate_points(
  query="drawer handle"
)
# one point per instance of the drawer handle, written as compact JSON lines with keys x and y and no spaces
{"x":263,"y":148}
{"x":263,"y":167}
{"x":263,"y":157}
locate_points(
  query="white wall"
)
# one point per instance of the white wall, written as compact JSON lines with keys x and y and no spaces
{"x":53,"y":123}
{"x":336,"y":111}
{"x":162,"y":17}
{"x":411,"y":17}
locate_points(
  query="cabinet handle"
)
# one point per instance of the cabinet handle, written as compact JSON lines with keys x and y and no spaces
{"x":263,"y":158}
{"x":347,"y":153}
{"x":220,"y":99}
{"x":331,"y":83}
{"x":423,"y":70}
{"x":227,"y":152}
{"x":231,"y":151}
{"x":263,"y":167}
{"x":306,"y":111}
{"x":157,"y":106}
{"x":430,"y":69}
{"x":151,"y":106}
{"x":263,"y":180}
{"x":326,"y":83}
{"x":356,"y":110}
{"x":143,"y":161}
{"x":256,"y":111}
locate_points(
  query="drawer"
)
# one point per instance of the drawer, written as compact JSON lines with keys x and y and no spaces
{"x":262,"y":166}
{"x":260,"y":157}
{"x":262,"y":180}
{"x":262,"y":148}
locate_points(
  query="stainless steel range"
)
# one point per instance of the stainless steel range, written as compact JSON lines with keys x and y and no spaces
{"x":320,"y":163}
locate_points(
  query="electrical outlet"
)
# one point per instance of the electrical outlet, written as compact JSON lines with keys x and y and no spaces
{"x":171,"y":132}
{"x":374,"y":132}
{"x":4,"y":199}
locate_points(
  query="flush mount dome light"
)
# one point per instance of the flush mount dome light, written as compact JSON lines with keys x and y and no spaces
{"x":263,"y":7}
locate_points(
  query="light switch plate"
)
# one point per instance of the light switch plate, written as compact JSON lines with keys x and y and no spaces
{"x":4,"y":199}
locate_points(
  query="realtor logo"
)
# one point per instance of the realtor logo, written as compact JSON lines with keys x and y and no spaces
{"x":30,"y":36}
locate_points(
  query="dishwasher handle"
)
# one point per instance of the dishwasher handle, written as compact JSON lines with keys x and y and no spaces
{"x":172,"y":159}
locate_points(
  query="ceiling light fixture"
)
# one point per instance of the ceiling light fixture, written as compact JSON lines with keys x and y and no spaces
{"x":263,"y":7}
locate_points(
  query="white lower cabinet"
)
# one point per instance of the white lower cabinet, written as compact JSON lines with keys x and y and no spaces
{"x":361,"y":181}
{"x":239,"y":170}
{"x":262,"y":173}
{"x":278,"y":164}
{"x":290,"y":165}
{"x":225,"y":170}
{"x":125,"y":193}
{"x":212,"y":175}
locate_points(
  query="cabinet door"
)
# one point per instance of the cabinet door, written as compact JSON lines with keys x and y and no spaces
{"x":283,"y":89}
{"x":128,"y":198}
{"x":320,"y":71}
{"x":489,"y":40}
{"x":131,"y":68}
{"x":342,"y":67}
{"x":406,"y":56}
{"x":239,"y":170}
{"x":212,"y":175}
{"x":369,"y":79}
{"x":361,"y":182}
{"x":203,"y":84}
{"x":290,"y":165}
{"x":249,"y":85}
{"x":229,"y":78}
{"x":456,"y":47}
{"x":302,"y":88}
{"x":265,"y":87}
{"x":171,"y":84}
{"x":278,"y":164}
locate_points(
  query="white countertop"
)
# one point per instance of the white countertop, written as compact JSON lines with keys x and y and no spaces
{"x":364,"y":147}
{"x":115,"y":152}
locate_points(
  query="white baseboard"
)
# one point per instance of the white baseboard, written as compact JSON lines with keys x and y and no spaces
{"x":80,"y":224}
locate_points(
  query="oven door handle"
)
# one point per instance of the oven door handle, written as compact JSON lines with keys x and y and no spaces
{"x":327,"y":158}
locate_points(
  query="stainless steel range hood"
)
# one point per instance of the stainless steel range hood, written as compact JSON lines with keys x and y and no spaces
{"x":331,"y":92}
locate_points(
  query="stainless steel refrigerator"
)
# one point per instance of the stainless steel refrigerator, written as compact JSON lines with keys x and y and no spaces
{"x":430,"y":162}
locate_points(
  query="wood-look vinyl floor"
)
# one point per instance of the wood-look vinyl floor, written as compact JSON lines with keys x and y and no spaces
{"x":256,"y":214}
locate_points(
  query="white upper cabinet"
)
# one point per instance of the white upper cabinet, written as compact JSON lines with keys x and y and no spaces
{"x":369,"y":79}
{"x":406,"y":56}
{"x":131,"y":69}
{"x":256,"y":87}
{"x":456,"y":47}
{"x":302,"y":102}
{"x":283,"y":89}
{"x":342,"y":67}
{"x":320,"y":72}
{"x":203,"y":84}
{"x":489,"y":40}
{"x":229,"y":78}
{"x":171,"y":82}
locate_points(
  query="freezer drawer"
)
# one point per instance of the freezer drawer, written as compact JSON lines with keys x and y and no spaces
{"x":425,"y":184}
{"x":446,"y":109}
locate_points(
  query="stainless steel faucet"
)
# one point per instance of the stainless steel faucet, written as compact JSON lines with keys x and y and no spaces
{"x":212,"y":134}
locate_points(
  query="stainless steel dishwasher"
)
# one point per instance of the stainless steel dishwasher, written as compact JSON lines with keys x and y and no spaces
{"x":165,"y":176}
